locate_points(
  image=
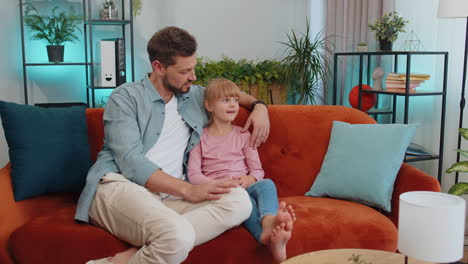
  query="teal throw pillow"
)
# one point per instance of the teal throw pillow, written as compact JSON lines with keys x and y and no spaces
{"x":362,"y":162}
{"x":48,"y":148}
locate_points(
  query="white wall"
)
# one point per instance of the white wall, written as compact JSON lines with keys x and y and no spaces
{"x":11,"y":88}
{"x":238,"y":29}
{"x":439,"y":34}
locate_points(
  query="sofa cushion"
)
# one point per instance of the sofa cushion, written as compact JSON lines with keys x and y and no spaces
{"x":362,"y":162}
{"x":48,"y":148}
{"x":322,"y":223}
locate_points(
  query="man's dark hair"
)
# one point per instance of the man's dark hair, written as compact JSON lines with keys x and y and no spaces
{"x":169,"y":42}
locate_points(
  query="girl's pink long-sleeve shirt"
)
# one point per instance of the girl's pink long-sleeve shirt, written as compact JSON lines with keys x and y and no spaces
{"x":223,"y":158}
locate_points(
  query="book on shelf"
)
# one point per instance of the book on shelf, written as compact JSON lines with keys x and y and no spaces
{"x":398,"y":81}
{"x":400,"y":86}
{"x":418,"y":150}
{"x":413,"y":77}
{"x":403,"y":82}
{"x":398,"y":90}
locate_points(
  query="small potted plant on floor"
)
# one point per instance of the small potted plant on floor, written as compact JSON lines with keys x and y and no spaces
{"x":361,"y":47}
{"x":387,"y":29}
{"x":461,"y":166}
{"x":460,"y":188}
{"x":56,"y":28}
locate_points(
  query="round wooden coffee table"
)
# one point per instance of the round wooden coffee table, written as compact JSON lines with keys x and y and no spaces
{"x":342,"y":256}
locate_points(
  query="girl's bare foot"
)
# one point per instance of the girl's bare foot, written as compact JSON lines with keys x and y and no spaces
{"x":291,"y":212}
{"x":279,"y":239}
{"x":268,"y":224}
{"x":284,"y":215}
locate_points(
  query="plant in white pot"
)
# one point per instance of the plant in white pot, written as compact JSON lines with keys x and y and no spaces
{"x":361,"y":47}
{"x":108,"y":11}
{"x":56,"y":28}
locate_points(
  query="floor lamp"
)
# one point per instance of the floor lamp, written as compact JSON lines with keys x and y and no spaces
{"x":431,"y":226}
{"x":457,"y":9}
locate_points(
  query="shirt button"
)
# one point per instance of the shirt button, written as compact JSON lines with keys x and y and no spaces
{"x":191,"y":144}
{"x":163,"y":113}
{"x":157,"y":134}
{"x":195,"y":127}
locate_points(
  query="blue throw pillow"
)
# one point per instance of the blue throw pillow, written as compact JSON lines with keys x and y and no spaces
{"x":362,"y":162}
{"x":48,"y":148}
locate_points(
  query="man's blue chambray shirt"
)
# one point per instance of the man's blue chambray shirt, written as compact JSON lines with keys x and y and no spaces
{"x":133,"y":120}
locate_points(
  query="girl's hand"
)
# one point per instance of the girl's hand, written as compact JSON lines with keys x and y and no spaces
{"x":246,"y":180}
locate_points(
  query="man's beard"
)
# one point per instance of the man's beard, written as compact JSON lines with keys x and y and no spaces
{"x":172,"y":88}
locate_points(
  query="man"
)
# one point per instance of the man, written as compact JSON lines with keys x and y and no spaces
{"x":136,"y":189}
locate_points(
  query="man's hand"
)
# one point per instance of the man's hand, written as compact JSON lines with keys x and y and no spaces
{"x":246,"y":180}
{"x":261,"y":125}
{"x":209,"y":191}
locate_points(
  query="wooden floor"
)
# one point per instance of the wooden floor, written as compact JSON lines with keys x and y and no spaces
{"x":465,"y":255}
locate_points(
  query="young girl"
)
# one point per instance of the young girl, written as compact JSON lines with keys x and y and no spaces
{"x":224,"y":154}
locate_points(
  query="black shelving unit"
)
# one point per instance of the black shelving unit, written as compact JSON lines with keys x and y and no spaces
{"x":89,"y":24}
{"x":406,"y":93}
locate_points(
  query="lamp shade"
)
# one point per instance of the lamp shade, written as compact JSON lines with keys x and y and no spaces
{"x":431,"y":226}
{"x":453,"y":8}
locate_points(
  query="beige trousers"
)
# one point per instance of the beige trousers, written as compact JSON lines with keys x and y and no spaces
{"x":165,"y":230}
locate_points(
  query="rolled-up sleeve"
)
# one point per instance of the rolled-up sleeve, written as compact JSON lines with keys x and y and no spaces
{"x":123,"y":137}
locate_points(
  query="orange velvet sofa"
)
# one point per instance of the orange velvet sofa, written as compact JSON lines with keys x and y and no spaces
{"x":41,"y":230}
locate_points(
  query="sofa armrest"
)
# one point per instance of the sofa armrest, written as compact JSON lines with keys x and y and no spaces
{"x":14,"y":214}
{"x":410,"y":179}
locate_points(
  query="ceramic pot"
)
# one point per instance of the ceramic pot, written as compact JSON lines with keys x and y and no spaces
{"x":55,"y":53}
{"x":361,"y":48}
{"x":385,"y":45}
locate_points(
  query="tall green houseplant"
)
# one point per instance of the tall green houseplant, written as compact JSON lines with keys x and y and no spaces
{"x":56,"y":28}
{"x":306,"y":61}
{"x":461,"y":166}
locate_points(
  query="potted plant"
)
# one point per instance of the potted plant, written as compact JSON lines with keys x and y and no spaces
{"x":361,"y":47}
{"x":260,"y":79}
{"x":306,"y":61}
{"x":460,"y":188}
{"x":461,"y":166}
{"x":387,"y":29}
{"x":108,"y":10}
{"x":137,"y":6}
{"x":56,"y":29}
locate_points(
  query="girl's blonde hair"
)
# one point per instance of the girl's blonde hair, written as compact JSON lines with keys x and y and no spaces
{"x":221,"y":87}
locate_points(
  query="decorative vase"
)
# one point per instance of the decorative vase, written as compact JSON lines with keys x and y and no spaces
{"x":55,"y":53}
{"x":108,"y":13}
{"x":385,"y":45}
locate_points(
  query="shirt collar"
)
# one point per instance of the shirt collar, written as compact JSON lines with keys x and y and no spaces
{"x":153,"y":93}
